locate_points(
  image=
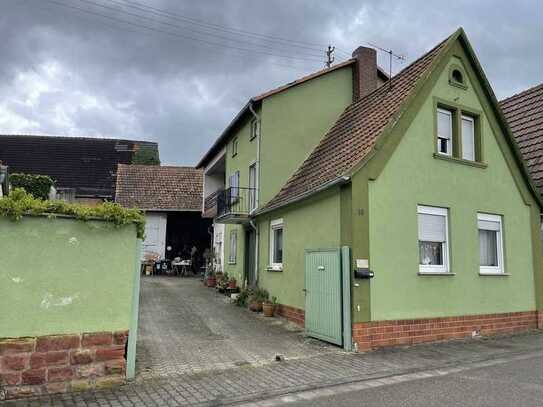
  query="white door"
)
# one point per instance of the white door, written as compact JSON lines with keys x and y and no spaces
{"x":155,"y":233}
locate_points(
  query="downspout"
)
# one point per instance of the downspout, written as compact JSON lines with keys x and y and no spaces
{"x":257,"y":192}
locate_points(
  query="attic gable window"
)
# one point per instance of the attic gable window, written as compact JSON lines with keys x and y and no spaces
{"x":444,"y":132}
{"x":458,"y":134}
{"x":457,"y":77}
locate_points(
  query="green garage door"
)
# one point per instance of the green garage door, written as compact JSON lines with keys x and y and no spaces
{"x":323,"y":304}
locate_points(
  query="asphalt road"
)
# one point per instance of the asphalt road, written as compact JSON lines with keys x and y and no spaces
{"x":516,"y":383}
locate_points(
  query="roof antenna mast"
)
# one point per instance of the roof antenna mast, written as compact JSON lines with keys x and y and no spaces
{"x":391,"y":55}
{"x":330,"y":56}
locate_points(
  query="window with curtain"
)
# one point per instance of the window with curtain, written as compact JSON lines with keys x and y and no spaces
{"x":444,"y":131}
{"x":490,"y":243}
{"x":433,"y":239}
{"x":233,"y":246}
{"x":468,"y":138}
{"x":276,"y":244}
{"x":234,"y":187}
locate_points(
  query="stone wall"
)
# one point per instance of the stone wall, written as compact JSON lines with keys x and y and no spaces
{"x":61,"y":363}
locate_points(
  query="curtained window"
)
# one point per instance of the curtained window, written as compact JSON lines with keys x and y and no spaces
{"x":490,"y":243}
{"x":433,"y":239}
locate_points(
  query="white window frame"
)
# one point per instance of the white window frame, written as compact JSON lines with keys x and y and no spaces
{"x":255,"y":129}
{"x":472,"y":120}
{"x":500,"y":269}
{"x":234,"y":147}
{"x":449,"y":153}
{"x":435,"y":269}
{"x":232,"y":256}
{"x":274,"y":225}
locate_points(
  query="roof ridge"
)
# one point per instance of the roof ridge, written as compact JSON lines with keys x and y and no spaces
{"x":521,"y":94}
{"x":56,"y":136}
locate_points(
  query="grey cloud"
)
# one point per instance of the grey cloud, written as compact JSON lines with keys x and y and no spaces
{"x":112,"y":80}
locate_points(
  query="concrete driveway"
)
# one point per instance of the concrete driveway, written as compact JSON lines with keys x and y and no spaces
{"x":185,"y":327}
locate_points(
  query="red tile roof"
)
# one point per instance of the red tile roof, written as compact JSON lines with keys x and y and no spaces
{"x":354,"y":134}
{"x":524,"y":113}
{"x":159,"y":187}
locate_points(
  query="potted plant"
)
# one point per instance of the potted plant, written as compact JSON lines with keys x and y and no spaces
{"x":222,"y":282}
{"x":268,"y":307}
{"x":259,"y":296}
{"x":212,"y":280}
{"x":232,"y":283}
{"x":241,"y":299}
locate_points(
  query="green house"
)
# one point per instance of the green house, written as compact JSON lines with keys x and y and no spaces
{"x":381,"y":211}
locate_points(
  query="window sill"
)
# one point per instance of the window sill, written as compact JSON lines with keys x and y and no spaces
{"x":274,"y":269}
{"x":458,"y":84}
{"x":231,"y":263}
{"x":476,"y":164}
{"x":436,"y":273}
{"x":494,"y":274}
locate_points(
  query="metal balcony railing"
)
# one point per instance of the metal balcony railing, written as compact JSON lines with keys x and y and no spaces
{"x":236,"y":201}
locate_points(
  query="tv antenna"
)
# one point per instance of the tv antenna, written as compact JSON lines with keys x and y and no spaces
{"x":391,"y":55}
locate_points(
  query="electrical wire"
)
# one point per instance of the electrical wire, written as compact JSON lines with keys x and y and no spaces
{"x":219,"y":27}
{"x":176,"y":34}
{"x":193,"y":31}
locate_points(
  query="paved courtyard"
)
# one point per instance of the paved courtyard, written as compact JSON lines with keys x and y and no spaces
{"x":196,"y":349}
{"x":185,"y":327}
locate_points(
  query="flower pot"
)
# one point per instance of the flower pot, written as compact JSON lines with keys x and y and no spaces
{"x":211,"y":281}
{"x":269,"y":309}
{"x":232,"y":284}
{"x":255,"y":306}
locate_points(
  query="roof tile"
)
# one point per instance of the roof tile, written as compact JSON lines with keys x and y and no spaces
{"x":159,"y":187}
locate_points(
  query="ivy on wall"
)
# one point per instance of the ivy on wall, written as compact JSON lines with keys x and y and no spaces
{"x":20,"y":203}
{"x":37,"y":185}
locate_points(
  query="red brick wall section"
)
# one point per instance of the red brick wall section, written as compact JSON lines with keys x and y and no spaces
{"x":61,"y":363}
{"x":295,"y":315}
{"x":379,"y":334}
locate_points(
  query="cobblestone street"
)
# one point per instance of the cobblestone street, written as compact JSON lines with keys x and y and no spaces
{"x":196,"y":349}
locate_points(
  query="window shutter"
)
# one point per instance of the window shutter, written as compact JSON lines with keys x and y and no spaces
{"x":444,"y":124}
{"x":488,"y":225}
{"x":468,"y":142}
{"x":431,"y":228}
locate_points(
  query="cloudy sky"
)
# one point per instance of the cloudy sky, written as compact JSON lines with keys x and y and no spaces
{"x":176,"y":72}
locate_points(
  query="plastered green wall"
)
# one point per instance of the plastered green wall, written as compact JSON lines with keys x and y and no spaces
{"x":65,"y":276}
{"x":240,"y":162}
{"x":413,"y":176}
{"x":311,"y":225}
{"x":292,"y":124}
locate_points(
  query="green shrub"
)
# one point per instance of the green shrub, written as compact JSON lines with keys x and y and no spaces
{"x":146,"y":155}
{"x":19,"y":203}
{"x":37,"y":185}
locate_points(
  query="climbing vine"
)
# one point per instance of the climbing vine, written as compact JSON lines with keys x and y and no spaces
{"x":20,"y":203}
{"x":37,"y":185}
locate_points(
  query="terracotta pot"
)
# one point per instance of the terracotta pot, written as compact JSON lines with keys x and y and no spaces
{"x":231,"y":285}
{"x":255,"y":306}
{"x":211,"y":281}
{"x":269,"y":309}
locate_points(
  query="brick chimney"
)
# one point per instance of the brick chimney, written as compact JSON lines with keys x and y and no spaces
{"x":365,"y":72}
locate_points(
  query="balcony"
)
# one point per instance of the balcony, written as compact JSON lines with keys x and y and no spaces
{"x":231,"y":205}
